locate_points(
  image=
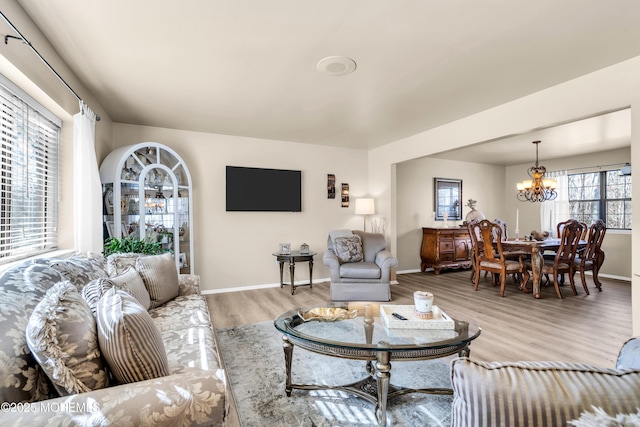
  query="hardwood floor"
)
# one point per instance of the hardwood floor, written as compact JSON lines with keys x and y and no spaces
{"x":584,"y":328}
{"x":588,"y":329}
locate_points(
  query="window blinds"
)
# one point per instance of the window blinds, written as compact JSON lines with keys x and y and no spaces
{"x":28,"y":178}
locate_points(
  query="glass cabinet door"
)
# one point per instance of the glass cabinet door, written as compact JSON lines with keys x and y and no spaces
{"x":149,"y":197}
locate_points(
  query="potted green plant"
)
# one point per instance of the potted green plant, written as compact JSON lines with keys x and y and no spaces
{"x":131,"y":244}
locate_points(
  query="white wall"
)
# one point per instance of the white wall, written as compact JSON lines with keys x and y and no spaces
{"x":233,"y":249}
{"x":415,"y":202}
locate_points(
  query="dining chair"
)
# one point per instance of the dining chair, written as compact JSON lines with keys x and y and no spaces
{"x":591,"y":258}
{"x":563,"y":261}
{"x":474,"y":237}
{"x":551,"y":255}
{"x":561,"y":225}
{"x":490,"y":257}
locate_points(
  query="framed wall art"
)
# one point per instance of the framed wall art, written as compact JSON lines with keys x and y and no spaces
{"x":331,"y":186}
{"x":344,"y":194}
{"x":447,"y":194}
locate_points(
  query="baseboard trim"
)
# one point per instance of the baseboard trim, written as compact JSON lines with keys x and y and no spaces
{"x":261,"y":286}
{"x":327,"y":279}
{"x":270,"y":285}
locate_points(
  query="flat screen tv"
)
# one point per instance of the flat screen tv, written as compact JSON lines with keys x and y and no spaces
{"x":263,"y":190}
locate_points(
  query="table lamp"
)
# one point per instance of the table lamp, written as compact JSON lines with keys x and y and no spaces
{"x":365,"y":207}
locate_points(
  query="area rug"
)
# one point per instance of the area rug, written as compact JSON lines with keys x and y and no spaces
{"x":254,"y":360}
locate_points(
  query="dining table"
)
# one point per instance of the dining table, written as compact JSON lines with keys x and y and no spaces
{"x":535,"y":248}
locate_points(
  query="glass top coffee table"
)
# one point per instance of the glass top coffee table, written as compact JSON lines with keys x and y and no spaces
{"x":365,"y":337}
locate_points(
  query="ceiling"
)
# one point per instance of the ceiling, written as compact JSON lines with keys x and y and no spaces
{"x":248,"y":67}
{"x":607,"y":131}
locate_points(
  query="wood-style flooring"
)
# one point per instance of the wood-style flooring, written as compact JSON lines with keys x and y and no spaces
{"x":584,"y":328}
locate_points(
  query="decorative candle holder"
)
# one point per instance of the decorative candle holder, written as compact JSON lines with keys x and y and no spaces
{"x":285,"y":248}
{"x":424,"y":304}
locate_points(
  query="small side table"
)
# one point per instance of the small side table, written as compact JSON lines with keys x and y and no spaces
{"x":292,"y":258}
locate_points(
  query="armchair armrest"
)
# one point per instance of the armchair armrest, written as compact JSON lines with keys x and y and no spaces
{"x":385,"y":260}
{"x":195,"y":397}
{"x":330,"y":259}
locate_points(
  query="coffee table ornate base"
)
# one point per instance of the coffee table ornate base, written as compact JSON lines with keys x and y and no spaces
{"x":376,"y":387}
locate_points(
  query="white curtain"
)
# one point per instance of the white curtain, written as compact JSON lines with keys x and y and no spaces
{"x":87,"y":189}
{"x":555,"y":211}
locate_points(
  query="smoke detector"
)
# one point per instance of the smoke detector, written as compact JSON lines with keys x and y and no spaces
{"x":337,"y":65}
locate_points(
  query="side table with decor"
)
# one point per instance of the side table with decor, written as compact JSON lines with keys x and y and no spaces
{"x":292,"y":257}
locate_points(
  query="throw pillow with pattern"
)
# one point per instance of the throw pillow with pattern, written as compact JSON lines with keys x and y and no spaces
{"x":349,"y":249}
{"x":62,"y":337}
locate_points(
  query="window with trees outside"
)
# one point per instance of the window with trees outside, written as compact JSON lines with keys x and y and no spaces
{"x":602,"y":195}
{"x":28,"y":175}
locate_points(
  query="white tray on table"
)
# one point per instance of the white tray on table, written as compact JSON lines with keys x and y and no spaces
{"x":440,"y":319}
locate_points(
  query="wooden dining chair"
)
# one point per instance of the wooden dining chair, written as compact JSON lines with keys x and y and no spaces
{"x":591,"y":258}
{"x":490,"y":256}
{"x":474,"y":237}
{"x":563,"y":262}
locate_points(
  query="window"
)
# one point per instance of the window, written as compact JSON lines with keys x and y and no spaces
{"x":28,"y":175}
{"x":602,"y":195}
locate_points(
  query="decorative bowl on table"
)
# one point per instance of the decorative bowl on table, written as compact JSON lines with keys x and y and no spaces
{"x":539,"y":235}
{"x":329,"y":314}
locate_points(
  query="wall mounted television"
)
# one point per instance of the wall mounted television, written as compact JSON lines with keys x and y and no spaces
{"x":263,"y":190}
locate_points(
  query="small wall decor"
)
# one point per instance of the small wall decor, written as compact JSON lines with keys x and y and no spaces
{"x":331,"y":186}
{"x":447,"y":194}
{"x":345,"y":195}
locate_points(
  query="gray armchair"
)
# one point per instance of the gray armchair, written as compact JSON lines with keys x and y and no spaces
{"x":359,"y":272}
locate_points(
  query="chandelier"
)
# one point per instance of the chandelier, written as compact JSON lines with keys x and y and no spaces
{"x":539,"y":188}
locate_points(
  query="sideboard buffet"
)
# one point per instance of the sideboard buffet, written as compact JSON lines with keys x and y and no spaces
{"x":444,"y":248}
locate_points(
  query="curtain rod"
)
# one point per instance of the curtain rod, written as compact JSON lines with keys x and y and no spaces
{"x":28,"y":43}
{"x":597,"y":167}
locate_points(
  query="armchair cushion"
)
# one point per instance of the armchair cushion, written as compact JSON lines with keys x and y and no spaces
{"x":360,"y":270}
{"x":348,"y":249}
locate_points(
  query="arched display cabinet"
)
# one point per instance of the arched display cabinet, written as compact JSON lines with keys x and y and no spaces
{"x":147,"y":193}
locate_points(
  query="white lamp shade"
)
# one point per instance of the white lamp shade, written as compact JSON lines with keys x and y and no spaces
{"x":365,"y":207}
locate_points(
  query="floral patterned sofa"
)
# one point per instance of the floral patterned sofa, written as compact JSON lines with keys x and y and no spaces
{"x":126,"y":340}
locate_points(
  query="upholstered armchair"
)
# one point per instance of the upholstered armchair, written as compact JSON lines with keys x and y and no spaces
{"x":360,"y":266}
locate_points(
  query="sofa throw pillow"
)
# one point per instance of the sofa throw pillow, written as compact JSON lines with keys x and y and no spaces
{"x":118,"y":263}
{"x":62,"y":336}
{"x":348,"y":249}
{"x":129,"y":340}
{"x":132,"y":282}
{"x":160,"y":277}
{"x":129,"y":281}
